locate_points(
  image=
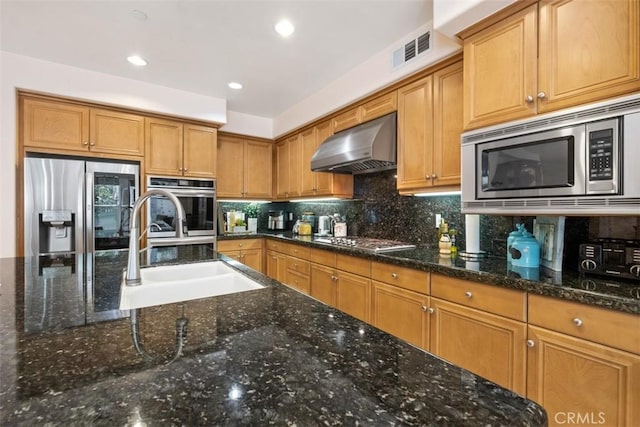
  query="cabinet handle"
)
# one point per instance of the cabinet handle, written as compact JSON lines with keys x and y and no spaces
{"x":542,"y":95}
{"x":274,"y":257}
{"x":433,"y":176}
{"x":468,"y":294}
{"x":185,"y":169}
{"x":334,"y":278}
{"x":92,"y":143}
{"x":431,"y":310}
{"x":85,"y":143}
{"x":529,"y":99}
{"x":394,"y":275}
{"x":240,"y":244}
{"x":577,"y":321}
{"x":425,"y":308}
{"x":530,"y":343}
{"x":180,"y":169}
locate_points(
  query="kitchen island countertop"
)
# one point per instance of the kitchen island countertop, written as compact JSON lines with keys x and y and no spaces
{"x":267,"y":356}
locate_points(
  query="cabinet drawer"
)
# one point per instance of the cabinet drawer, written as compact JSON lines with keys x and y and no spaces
{"x":615,"y":329}
{"x":408,"y":278}
{"x":298,"y":265}
{"x":240,"y":244}
{"x":298,"y":281}
{"x":323,"y":257}
{"x":276,"y":246}
{"x":355,"y":265}
{"x":299,"y":251}
{"x":504,"y":302}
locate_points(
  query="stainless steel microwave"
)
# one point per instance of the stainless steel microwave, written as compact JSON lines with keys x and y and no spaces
{"x":580,"y":161}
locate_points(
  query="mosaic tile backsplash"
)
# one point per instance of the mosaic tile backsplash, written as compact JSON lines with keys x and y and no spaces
{"x":379,"y":211}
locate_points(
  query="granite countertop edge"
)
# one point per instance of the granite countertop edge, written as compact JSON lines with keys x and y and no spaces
{"x":413,"y":259}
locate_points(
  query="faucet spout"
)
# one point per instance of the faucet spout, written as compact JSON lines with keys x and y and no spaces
{"x":132,"y":277}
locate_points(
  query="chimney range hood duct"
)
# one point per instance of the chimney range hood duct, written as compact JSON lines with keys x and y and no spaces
{"x":369,"y":147}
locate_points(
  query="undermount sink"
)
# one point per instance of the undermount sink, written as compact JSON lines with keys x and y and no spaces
{"x":183,"y":282}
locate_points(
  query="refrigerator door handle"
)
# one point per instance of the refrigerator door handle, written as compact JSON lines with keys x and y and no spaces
{"x":89,"y":241}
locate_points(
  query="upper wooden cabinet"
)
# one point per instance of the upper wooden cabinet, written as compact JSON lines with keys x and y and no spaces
{"x":548,"y":56}
{"x":59,"y":126}
{"x":244,"y":168}
{"x":369,"y":110}
{"x":320,"y":183}
{"x":180,"y":149}
{"x":429,"y":128}
{"x":288,"y":171}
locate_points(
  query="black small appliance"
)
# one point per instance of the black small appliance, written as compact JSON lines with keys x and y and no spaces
{"x":611,"y":257}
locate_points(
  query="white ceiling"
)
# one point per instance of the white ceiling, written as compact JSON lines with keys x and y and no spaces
{"x":200,"y":46}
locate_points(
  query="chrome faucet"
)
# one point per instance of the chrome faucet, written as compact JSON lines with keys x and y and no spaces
{"x":132,"y":277}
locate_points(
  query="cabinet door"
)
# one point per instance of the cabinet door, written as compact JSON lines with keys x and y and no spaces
{"x":271,"y":261}
{"x":55,"y":125}
{"x":252,"y":258}
{"x":163,"y":147}
{"x":237,"y":255}
{"x":298,"y":281}
{"x":295,"y":169}
{"x":447,"y":125}
{"x":488,"y":345}
{"x":348,"y":119}
{"x":379,"y":106}
{"x":574,"y":377}
{"x":401,"y":313}
{"x":323,"y":180}
{"x":230,"y":166}
{"x":323,"y":284}
{"x":588,"y":51}
{"x":500,"y":69}
{"x":308,"y":145}
{"x":353,"y":295}
{"x":257,"y":170}
{"x":113,"y":132}
{"x":282,"y":170}
{"x":415,"y":134}
{"x":199,"y":151}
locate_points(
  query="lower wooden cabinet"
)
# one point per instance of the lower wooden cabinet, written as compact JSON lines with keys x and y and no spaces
{"x":488,"y":345}
{"x":402,"y":313}
{"x":323,"y":284}
{"x":353,"y":295}
{"x":248,"y":252}
{"x":589,"y":382}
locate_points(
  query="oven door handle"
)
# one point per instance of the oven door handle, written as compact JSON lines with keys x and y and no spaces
{"x":188,"y":193}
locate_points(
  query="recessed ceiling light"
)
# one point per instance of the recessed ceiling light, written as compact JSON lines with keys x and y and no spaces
{"x":137,"y":60}
{"x":285,"y":28}
{"x":235,"y":85}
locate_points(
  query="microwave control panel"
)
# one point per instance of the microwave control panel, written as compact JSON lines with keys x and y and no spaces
{"x":601,"y":154}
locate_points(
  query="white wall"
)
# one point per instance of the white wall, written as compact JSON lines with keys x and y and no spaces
{"x":248,"y":124}
{"x":363,"y":80}
{"x":21,"y":72}
{"x":452,"y":16}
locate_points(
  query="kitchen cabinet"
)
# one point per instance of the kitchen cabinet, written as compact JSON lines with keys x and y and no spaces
{"x":246,"y":251}
{"x":583,"y":360}
{"x":320,"y":183}
{"x":244,"y":168}
{"x":348,"y":292}
{"x":288,"y":161}
{"x":481,"y":328}
{"x":369,"y":110}
{"x":66,"y":127}
{"x":548,"y":56}
{"x":175,"y":148}
{"x":429,"y":129}
{"x":276,"y":265}
{"x":402,"y":313}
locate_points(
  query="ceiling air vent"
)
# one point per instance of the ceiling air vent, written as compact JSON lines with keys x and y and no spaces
{"x":412,"y":49}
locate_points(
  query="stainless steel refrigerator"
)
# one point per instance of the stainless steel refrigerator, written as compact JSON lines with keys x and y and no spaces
{"x":76,"y":230}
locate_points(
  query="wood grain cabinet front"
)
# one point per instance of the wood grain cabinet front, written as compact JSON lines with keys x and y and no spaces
{"x":175,"y":148}
{"x":53,"y":125}
{"x":246,"y":251}
{"x":550,"y":55}
{"x":244,"y":168}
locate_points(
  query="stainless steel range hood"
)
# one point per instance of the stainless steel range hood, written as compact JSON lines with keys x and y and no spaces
{"x":369,"y":147}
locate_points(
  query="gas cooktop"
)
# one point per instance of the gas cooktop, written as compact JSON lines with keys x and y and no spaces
{"x":366,"y":243}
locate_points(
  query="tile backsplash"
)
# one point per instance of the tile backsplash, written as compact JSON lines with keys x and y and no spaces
{"x":379,"y":211}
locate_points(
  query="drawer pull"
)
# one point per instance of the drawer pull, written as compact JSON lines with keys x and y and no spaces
{"x":425,"y":308}
{"x":530,"y":343}
{"x":431,"y":310}
{"x":577,"y":322}
{"x":468,"y":294}
{"x":394,"y":275}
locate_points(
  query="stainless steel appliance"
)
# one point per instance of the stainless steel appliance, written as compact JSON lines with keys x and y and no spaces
{"x":366,"y":243}
{"x":76,"y":224}
{"x":582,"y":160}
{"x":325,"y":225}
{"x":276,"y":220}
{"x":611,"y":257}
{"x":198,"y":198}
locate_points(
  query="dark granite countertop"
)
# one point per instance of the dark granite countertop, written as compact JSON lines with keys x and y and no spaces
{"x":613,"y":294}
{"x":267,"y":356}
